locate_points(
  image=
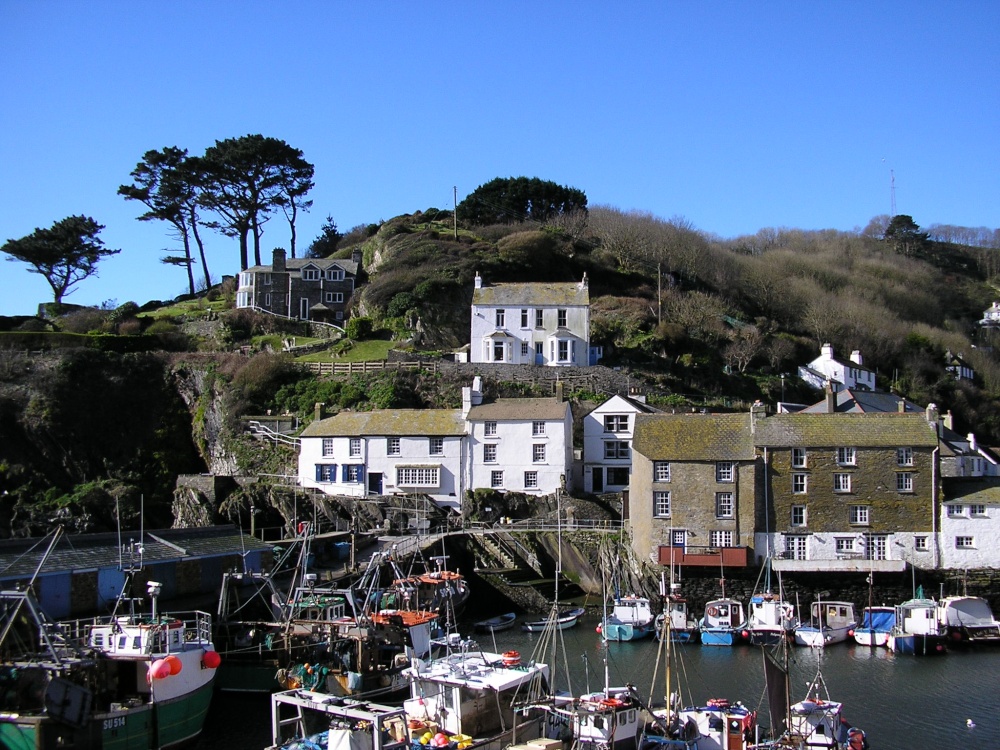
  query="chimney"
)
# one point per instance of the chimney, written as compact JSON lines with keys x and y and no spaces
{"x":948,"y":421}
{"x":757,"y":411}
{"x":831,"y":398}
{"x":972,"y":442}
{"x":479,"y":281}
{"x":559,"y":391}
{"x":278,"y":261}
{"x":637,"y":394}
{"x":826,"y":351}
{"x":901,"y":405}
{"x":472,"y":396}
{"x":318,"y":411}
{"x":356,"y":257}
{"x":584,"y":284}
{"x":932,"y":414}
{"x":856,"y":358}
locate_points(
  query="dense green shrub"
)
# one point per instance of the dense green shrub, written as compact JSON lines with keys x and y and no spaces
{"x":359,"y":328}
{"x":400,"y":304}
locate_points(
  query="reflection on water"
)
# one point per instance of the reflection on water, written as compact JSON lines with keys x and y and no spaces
{"x":902,"y":702}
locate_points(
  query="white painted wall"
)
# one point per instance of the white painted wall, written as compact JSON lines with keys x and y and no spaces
{"x":594,"y":437}
{"x":984,"y":529}
{"x":576,"y":332}
{"x":514,"y":441}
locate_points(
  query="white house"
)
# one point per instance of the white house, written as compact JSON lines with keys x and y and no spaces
{"x":970,"y":524}
{"x":607,"y":443}
{"x":520,"y":444}
{"x":828,"y":369}
{"x":531,"y":323}
{"x":991,"y":316}
{"x":387,"y":452}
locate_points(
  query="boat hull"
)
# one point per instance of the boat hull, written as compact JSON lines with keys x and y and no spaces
{"x":818,"y":638}
{"x":720,"y":637}
{"x":626,"y":631}
{"x":871,"y":638}
{"x":918,"y":644}
{"x":767,"y":636}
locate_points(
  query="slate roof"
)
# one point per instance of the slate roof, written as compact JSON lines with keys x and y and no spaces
{"x":392,"y":422}
{"x":693,"y":437}
{"x":879,"y":430}
{"x":971,"y":491}
{"x":532,"y":294}
{"x":20,"y":557}
{"x":507,"y":409}
{"x":296,"y":264}
{"x":857,"y":400}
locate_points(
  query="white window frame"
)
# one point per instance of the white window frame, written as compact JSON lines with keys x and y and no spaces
{"x":725,"y":472}
{"x":841,"y":482}
{"x":561,"y":318}
{"x":920,"y":544}
{"x":500,"y":317}
{"x":496,"y":480}
{"x":538,"y":453}
{"x":392,"y":446}
{"x":799,"y":458}
{"x":800,"y":483}
{"x":661,"y":504}
{"x":860,"y":515}
{"x":489,"y":429}
{"x":678,"y":538}
{"x":328,"y":445}
{"x":801,"y":512}
{"x":904,"y":481}
{"x":531,"y":480}
{"x":955,"y":511}
{"x":355,"y":448}
{"x":311,"y":274}
{"x":615,"y":450}
{"x":524,"y":318}
{"x":418,"y":476}
{"x":661,"y":471}
{"x":489,"y":453}
{"x":537,"y":428}
{"x":539,"y":318}
{"x":335,"y":274}
{"x":847,"y":456}
{"x":725,"y":504}
{"x":797,"y":546}
{"x":977,"y":510}
{"x":719,"y":538}
{"x":965,"y":541}
{"x":334,"y":298}
{"x":616,"y":422}
{"x":845,"y":545}
{"x":904,"y":456}
{"x":435,"y":446}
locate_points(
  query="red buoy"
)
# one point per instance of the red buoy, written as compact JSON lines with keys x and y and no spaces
{"x":211,"y":659}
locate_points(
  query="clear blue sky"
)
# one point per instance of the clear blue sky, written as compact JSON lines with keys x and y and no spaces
{"x":736,"y":116}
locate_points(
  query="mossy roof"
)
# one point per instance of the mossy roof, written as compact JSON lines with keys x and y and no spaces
{"x":507,"y":409}
{"x":392,"y":422}
{"x":693,"y":437}
{"x":978,"y":491}
{"x":532,"y":294}
{"x":878,"y":430}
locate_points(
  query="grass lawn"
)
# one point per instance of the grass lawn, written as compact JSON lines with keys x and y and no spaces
{"x":351,"y":351}
{"x":183,"y":309}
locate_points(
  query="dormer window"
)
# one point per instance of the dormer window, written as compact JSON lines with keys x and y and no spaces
{"x":335,"y":274}
{"x":310,"y":274}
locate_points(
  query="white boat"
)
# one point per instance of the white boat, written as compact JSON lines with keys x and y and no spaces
{"x":829,"y":622}
{"x":561,"y":621}
{"x":352,"y":723}
{"x":470,"y":692}
{"x":723,"y":622}
{"x":771,"y":619}
{"x":607,"y":720}
{"x":917,"y":630}
{"x":631,"y":619}
{"x":876,"y":624}
{"x":969,"y":620}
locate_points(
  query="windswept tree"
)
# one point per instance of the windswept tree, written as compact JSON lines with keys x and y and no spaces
{"x":246,"y":180}
{"x":326,"y":243}
{"x":64,"y":254}
{"x":510,"y":200}
{"x":168,"y":183}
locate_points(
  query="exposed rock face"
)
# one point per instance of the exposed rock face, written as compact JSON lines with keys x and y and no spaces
{"x":204,"y":400}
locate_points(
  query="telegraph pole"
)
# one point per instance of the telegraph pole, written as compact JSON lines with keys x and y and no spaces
{"x":454,"y":212}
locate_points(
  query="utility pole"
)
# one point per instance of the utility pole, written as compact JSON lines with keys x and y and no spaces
{"x":659,"y":293}
{"x":454,"y":212}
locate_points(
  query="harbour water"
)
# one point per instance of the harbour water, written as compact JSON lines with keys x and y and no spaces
{"x":902,"y":702}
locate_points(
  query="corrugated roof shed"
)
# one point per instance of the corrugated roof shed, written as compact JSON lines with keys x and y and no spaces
{"x":530,"y":294}
{"x":694,"y":437}
{"x":394,"y":422}
{"x":507,"y":409}
{"x":20,"y":557}
{"x":875,"y":430}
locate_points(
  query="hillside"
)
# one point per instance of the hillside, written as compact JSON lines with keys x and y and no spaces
{"x":127,"y":399}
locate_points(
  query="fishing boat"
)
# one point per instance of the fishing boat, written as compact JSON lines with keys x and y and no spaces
{"x":829,"y":622}
{"x":631,"y":619}
{"x":771,"y":619}
{"x":496,"y":624}
{"x":876,"y":624}
{"x":723,"y":623}
{"x":969,"y":621}
{"x":563,"y":620}
{"x":917,"y":629}
{"x":607,"y":720}
{"x":468,"y":692}
{"x":348,"y":723}
{"x":435,"y":589}
{"x":141,"y":680}
{"x":681,"y":627}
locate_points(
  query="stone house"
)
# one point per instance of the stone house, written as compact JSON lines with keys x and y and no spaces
{"x":692,"y":494}
{"x":317,"y":289}
{"x":532,"y":323}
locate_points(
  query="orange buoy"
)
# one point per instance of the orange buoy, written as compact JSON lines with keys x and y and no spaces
{"x":174,"y":663}
{"x":511,"y":658}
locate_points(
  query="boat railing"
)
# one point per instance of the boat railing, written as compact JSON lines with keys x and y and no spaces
{"x":195,"y":626}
